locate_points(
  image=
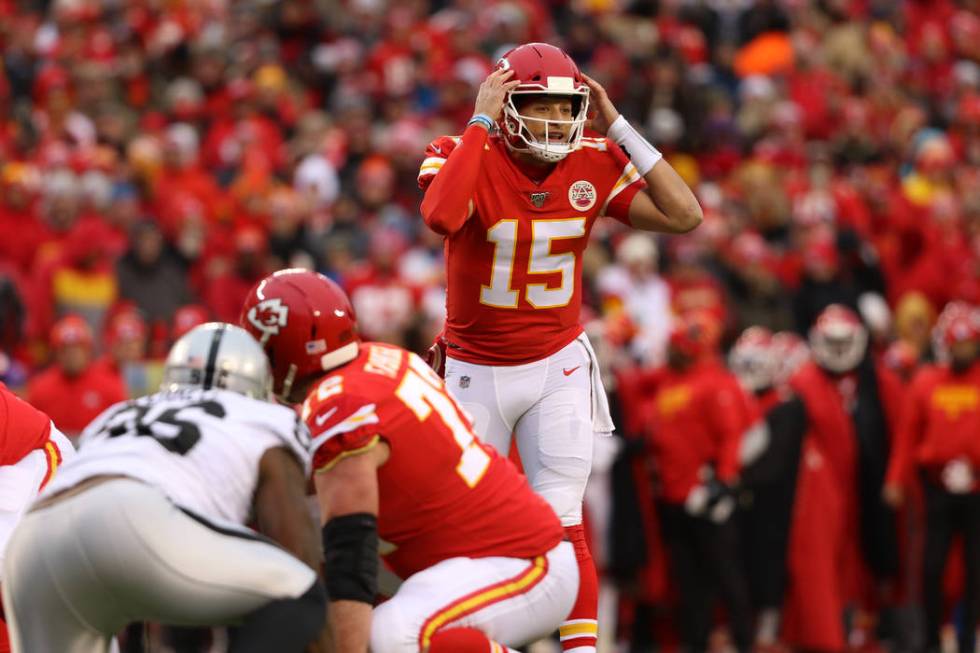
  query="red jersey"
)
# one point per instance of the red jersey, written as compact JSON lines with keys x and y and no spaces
{"x":940,"y":422}
{"x":697,"y":418}
{"x":23,"y":428}
{"x":443,"y":493}
{"x":514,"y":268}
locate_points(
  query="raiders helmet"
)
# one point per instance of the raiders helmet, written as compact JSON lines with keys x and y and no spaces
{"x":218,"y":355}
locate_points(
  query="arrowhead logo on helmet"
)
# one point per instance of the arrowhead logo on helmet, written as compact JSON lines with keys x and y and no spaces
{"x":268,"y":316}
{"x":306,"y":325}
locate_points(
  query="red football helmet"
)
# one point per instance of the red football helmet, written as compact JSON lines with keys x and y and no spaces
{"x":751,"y":359}
{"x":543,"y":69}
{"x":305,"y":323}
{"x":838,"y":339}
{"x":958,"y":322}
{"x":696,"y":334}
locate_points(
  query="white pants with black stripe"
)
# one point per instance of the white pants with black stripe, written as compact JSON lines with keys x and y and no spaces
{"x":548,"y":406}
{"x":77,"y":571}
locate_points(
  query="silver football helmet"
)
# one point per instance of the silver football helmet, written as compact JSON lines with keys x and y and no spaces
{"x":218,"y":355}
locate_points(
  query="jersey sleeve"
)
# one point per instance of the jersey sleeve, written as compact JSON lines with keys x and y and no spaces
{"x":23,"y":427}
{"x":341,"y":426}
{"x":289,"y":432}
{"x":435,"y":156}
{"x":627,"y":183}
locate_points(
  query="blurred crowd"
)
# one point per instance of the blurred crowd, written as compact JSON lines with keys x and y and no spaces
{"x":157,"y":157}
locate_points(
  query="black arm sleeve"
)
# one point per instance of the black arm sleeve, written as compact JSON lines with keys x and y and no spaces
{"x":350,"y":547}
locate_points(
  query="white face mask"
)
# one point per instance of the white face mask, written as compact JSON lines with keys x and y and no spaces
{"x":520,"y":138}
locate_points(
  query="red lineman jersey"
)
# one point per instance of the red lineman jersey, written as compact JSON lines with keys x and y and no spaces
{"x":23,"y":428}
{"x":514,"y":268}
{"x":443,"y":493}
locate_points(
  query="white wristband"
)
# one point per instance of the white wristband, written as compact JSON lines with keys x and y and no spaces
{"x":643,"y":155}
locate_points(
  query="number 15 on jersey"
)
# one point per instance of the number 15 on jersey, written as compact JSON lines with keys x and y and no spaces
{"x":501,"y":292}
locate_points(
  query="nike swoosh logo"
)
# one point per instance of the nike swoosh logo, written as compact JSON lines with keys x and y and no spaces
{"x":322,"y":418}
{"x":567,"y":371}
{"x":437,"y":149}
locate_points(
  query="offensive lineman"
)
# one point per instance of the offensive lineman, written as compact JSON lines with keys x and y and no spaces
{"x":31,"y":449}
{"x":516,"y":208}
{"x":396,"y":458}
{"x":145,"y":523}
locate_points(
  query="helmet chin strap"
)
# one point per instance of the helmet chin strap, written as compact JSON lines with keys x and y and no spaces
{"x":287,"y":383}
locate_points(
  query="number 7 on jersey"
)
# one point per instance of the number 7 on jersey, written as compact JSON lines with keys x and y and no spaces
{"x":423,"y":392}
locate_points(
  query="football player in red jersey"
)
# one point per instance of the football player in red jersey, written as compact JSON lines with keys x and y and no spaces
{"x":515,"y":197}
{"x":399,"y":470}
{"x":31,"y":449}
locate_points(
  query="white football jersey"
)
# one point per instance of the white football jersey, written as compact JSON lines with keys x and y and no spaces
{"x":199,"y":447}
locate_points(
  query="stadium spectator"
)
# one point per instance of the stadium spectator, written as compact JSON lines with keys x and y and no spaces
{"x":125,"y":345}
{"x":73,"y":391}
{"x":151,"y":275}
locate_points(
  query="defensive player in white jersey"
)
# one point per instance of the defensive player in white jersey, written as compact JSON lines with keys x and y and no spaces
{"x":146,"y":522}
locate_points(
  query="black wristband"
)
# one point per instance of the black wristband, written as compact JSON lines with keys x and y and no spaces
{"x":350,"y":546}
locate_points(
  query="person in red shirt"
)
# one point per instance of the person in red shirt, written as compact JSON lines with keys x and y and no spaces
{"x":31,"y":449}
{"x":73,"y":391}
{"x":516,"y":197}
{"x":938,"y":438}
{"x":399,"y":470}
{"x":224,"y":294}
{"x":695,"y":432}
{"x":125,"y":340}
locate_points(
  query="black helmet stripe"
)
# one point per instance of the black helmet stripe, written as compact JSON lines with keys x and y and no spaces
{"x":213,"y":356}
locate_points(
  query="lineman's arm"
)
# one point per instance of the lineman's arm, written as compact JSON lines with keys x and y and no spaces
{"x":281,"y":513}
{"x":348,"y":497}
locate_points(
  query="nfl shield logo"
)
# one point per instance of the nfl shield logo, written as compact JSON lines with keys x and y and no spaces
{"x":464,"y":381}
{"x":538,"y":199}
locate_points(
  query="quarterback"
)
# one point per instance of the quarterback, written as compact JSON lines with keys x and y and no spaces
{"x":516,"y":197}
{"x":400,"y":472}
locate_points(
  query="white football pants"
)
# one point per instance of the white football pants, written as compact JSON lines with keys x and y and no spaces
{"x":548,"y":407}
{"x":81,"y":569}
{"x":512,"y":600}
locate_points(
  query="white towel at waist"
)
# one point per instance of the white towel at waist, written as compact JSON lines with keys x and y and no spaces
{"x":601,"y":419}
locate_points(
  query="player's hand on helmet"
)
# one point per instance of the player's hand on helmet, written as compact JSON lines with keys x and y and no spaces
{"x":606,"y":112}
{"x":493,"y":93}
